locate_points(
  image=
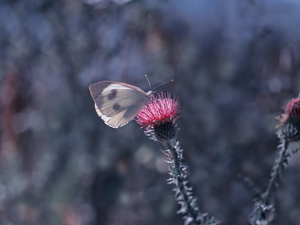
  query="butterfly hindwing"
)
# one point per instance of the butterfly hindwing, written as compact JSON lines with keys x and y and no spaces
{"x":123,"y":117}
{"x":117,"y":103}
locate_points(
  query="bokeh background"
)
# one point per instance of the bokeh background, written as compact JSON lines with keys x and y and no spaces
{"x":235,"y":64}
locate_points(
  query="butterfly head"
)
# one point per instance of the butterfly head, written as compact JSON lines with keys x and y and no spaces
{"x":149,"y":93}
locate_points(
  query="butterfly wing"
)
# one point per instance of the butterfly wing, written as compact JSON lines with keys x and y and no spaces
{"x":117,"y":103}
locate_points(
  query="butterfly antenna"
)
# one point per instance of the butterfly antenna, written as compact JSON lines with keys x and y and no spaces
{"x":163,"y":84}
{"x":148,"y":81}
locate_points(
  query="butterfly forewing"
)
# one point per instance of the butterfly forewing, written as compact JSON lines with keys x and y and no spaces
{"x":105,"y":86}
{"x":117,"y":103}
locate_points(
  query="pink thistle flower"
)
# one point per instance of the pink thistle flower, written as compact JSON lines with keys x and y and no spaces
{"x":290,"y":120}
{"x":292,"y":112}
{"x":160,"y":117}
{"x":293,"y":108}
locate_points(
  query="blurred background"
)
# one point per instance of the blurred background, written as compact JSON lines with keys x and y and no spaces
{"x":235,"y":64}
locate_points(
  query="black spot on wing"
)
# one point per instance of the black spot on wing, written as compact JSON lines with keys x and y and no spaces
{"x":116,"y":106}
{"x":112,"y":94}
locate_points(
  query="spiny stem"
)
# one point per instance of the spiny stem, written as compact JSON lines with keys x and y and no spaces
{"x":191,"y":212}
{"x":264,"y":211}
{"x":180,"y":178}
{"x":277,"y":171}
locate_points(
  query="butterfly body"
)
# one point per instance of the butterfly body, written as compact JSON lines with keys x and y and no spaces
{"x":118,"y":103}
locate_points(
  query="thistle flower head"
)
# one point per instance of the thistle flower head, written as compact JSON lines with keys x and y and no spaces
{"x":293,"y":108}
{"x":160,"y":117}
{"x":290,"y":121}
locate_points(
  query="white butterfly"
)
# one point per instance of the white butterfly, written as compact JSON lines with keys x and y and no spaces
{"x":118,"y":103}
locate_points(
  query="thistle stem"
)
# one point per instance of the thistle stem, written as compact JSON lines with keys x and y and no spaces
{"x":264,"y":211}
{"x":183,"y":193}
{"x":180,"y":178}
{"x":279,"y":166}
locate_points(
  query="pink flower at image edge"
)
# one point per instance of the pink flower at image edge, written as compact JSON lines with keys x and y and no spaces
{"x":292,"y":111}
